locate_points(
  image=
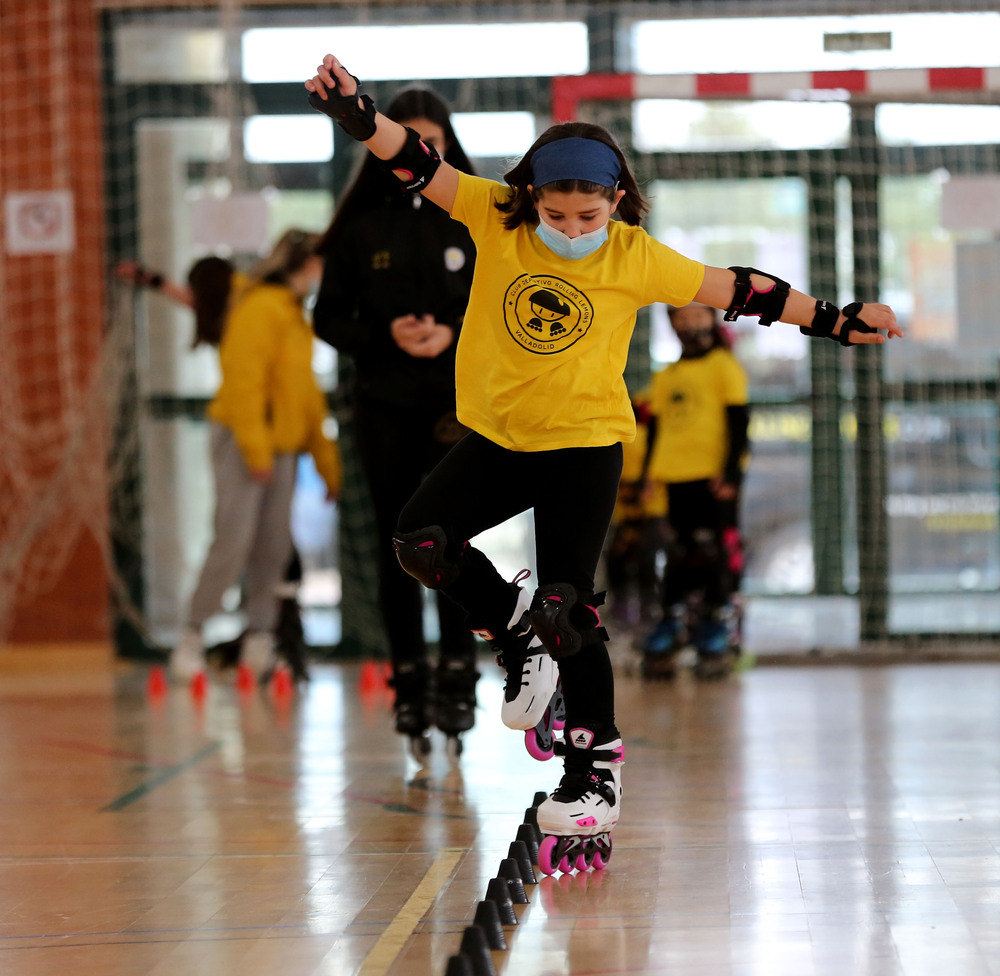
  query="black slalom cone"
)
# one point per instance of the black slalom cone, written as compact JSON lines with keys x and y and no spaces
{"x":510,"y":872}
{"x":474,"y":946}
{"x":518,"y":850}
{"x":531,"y":817}
{"x":526,"y":834}
{"x":460,"y":965}
{"x":488,"y":919}
{"x":540,"y":797}
{"x":498,"y":891}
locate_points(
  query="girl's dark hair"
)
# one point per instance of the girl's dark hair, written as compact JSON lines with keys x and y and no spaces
{"x":211,"y":281}
{"x":289,"y":254}
{"x":520,"y":207}
{"x":721,"y":336}
{"x":372,"y":186}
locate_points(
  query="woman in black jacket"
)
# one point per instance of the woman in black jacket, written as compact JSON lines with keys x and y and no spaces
{"x":396,"y":282}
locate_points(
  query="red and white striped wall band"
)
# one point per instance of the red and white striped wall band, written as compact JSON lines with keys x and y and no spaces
{"x":569,"y":90}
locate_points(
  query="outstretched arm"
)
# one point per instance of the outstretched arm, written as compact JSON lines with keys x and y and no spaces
{"x":719,"y":286}
{"x":134,"y":273}
{"x":388,"y":139}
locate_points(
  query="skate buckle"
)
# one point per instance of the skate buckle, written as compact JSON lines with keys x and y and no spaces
{"x":587,"y":822}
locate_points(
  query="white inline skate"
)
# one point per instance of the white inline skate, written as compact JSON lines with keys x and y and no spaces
{"x":531,"y":674}
{"x":576,"y":820}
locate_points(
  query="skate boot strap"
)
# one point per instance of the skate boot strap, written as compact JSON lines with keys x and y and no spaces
{"x":579,"y":782}
{"x":583,"y":758}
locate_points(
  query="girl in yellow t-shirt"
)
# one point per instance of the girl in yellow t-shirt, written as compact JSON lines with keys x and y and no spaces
{"x":267,"y":410}
{"x":698,"y":450}
{"x":539,"y":381}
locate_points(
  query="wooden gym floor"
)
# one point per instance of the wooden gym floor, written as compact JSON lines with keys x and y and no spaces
{"x":814,"y":821}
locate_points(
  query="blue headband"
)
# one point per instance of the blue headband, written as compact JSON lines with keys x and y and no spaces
{"x":575,"y":158}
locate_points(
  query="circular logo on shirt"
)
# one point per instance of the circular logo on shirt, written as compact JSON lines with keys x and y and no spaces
{"x":545,"y":314}
{"x":454,"y":258}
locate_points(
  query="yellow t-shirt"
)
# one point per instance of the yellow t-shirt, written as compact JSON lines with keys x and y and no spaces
{"x":544,"y":343}
{"x":689,"y":399}
{"x":269,"y":397}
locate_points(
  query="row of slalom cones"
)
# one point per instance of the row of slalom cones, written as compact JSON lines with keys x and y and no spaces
{"x":504,"y":891}
{"x":281,"y":684}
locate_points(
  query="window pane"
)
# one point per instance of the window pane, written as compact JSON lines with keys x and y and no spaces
{"x":178,"y":54}
{"x":688,"y":125}
{"x":797,"y":43}
{"x":484,"y":134}
{"x":937,"y":125}
{"x":425,"y":51}
{"x":287,"y":139}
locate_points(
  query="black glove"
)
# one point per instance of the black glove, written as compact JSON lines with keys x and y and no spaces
{"x":357,"y":122}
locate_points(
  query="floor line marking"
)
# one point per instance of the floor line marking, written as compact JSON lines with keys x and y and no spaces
{"x":168,"y":774}
{"x":392,"y":940}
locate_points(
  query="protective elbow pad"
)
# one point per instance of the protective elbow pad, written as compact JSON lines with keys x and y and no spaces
{"x":415,"y":164}
{"x":424,"y":555}
{"x":562,"y":622}
{"x":748,"y":301}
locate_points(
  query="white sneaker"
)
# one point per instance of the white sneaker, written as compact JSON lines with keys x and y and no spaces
{"x":188,"y":658}
{"x":258,"y":652}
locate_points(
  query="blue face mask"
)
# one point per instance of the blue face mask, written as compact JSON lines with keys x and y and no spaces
{"x":571,"y":248}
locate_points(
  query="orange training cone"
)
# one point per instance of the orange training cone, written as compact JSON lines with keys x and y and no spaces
{"x":281,"y":683}
{"x":156,"y":682}
{"x":245,"y":680}
{"x":199,"y":686}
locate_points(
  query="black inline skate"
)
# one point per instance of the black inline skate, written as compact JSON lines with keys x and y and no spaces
{"x":455,"y":701}
{"x":411,"y":706}
{"x":661,"y":647}
{"x":717,"y":638}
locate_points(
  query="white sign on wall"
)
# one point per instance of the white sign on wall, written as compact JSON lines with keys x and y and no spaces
{"x":239,"y":222}
{"x":40,"y":222}
{"x":971,"y":201}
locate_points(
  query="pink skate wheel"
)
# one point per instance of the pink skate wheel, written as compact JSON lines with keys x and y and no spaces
{"x":545,"y":852}
{"x":534,"y":747}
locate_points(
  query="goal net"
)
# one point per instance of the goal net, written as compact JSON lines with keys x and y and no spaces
{"x":852,"y":153}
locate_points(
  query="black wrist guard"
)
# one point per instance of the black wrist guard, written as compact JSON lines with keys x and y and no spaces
{"x":853,"y":323}
{"x":357,"y":122}
{"x":145,"y":278}
{"x":748,"y":301}
{"x":823,"y":323}
{"x":415,"y":164}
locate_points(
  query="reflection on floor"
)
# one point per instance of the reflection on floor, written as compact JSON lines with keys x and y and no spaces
{"x":834,"y":821}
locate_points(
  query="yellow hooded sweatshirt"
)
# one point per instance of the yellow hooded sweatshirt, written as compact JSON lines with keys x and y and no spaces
{"x":269,"y":397}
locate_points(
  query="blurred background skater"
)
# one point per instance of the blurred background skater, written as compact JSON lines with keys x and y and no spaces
{"x":211,"y":284}
{"x":636,"y":537}
{"x":698,"y":449}
{"x":269,"y":409}
{"x":395,"y":286}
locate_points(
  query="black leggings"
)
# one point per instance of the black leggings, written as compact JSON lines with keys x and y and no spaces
{"x":398,"y":446}
{"x":697,"y":557}
{"x":479,"y":485}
